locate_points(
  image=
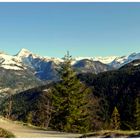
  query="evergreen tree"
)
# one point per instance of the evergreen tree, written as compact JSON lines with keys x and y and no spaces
{"x":137,"y":114}
{"x":70,"y":100}
{"x":115,"y":120}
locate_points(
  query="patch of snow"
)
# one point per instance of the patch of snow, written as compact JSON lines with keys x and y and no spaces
{"x":105,"y":60}
{"x":136,"y":64}
{"x":10,"y":62}
{"x":24,"y":52}
{"x":11,"y":67}
{"x":120,"y":61}
{"x":56,"y":60}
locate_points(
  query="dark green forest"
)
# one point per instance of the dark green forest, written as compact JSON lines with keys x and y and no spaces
{"x":120,"y":89}
{"x":81,"y":103}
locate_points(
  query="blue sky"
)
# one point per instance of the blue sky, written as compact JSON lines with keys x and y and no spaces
{"x":85,"y":29}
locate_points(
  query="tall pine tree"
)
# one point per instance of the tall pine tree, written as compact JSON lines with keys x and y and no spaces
{"x":70,"y":100}
{"x":115,"y":119}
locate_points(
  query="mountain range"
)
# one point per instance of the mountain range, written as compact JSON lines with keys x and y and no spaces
{"x":26,"y":69}
{"x":45,"y":67}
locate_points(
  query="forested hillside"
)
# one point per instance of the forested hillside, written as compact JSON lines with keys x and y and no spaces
{"x":118,"y":88}
{"x":114,"y":101}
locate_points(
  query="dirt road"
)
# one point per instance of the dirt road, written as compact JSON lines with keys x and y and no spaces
{"x":22,"y":131}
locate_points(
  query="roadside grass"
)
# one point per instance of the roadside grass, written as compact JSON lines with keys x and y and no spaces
{"x":113,"y":134}
{"x":6,"y":134}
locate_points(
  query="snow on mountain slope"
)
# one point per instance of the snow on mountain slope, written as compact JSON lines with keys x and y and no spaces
{"x":86,"y":65}
{"x":136,"y":64}
{"x":46,"y":67}
{"x":123,"y":60}
{"x":27,"y":57}
{"x":10,"y":62}
{"x":105,"y":60}
{"x":24,"y":53}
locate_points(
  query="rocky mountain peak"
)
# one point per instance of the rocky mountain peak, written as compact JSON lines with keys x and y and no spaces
{"x":24,"y":53}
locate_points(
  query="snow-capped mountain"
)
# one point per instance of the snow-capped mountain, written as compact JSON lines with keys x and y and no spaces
{"x":24,"y":53}
{"x":10,"y":62}
{"x":132,"y":65}
{"x":105,"y":60}
{"x":90,"y":66}
{"x":45,"y":68}
{"x":123,"y":60}
{"x":113,"y":61}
